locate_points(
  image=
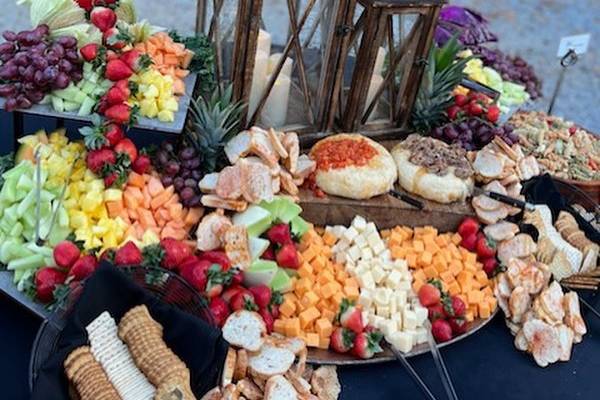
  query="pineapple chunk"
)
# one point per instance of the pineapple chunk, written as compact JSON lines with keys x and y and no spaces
{"x":166,"y":116}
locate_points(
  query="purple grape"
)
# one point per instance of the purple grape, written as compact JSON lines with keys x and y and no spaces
{"x":62,"y":81}
{"x":187,"y":194}
{"x":50,"y":74}
{"x":23,"y":101}
{"x":191,"y":183}
{"x":9,"y":36}
{"x":68,"y":42}
{"x":9,"y":72}
{"x":35,"y":96}
{"x":40,"y":63}
{"x":6,"y":57}
{"x":195,"y":201}
{"x":195,"y":163}
{"x":167,"y":146}
{"x":196,"y":174}
{"x":58,"y":50}
{"x":186,"y":173}
{"x":7,"y":48}
{"x":450,"y":132}
{"x":166,"y":181}
{"x":172,"y":168}
{"x":8,"y":90}
{"x":162,"y":158}
{"x":76,"y":76}
{"x":187,"y":153}
{"x":21,"y":59}
{"x":52,"y":58}
{"x":179,"y":184}
{"x":65,"y":66}
{"x":11,"y":104}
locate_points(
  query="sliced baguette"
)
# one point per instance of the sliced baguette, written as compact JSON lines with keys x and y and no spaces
{"x":279,"y":388}
{"x":241,"y":365}
{"x":229,"y":367}
{"x":249,"y":389}
{"x":270,"y":361}
{"x":245,"y":329}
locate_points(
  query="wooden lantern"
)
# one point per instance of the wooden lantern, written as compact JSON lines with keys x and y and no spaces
{"x":328,"y":59}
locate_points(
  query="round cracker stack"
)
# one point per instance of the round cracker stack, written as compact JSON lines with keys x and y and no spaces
{"x":88,"y":377}
{"x":143,"y":336}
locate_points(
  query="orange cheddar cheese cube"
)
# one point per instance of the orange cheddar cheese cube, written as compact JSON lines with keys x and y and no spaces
{"x":456,"y":239}
{"x":430,"y":272}
{"x":484,"y":310}
{"x":312,"y":339}
{"x":475,"y":297}
{"x":425,"y":259}
{"x":351,"y":292}
{"x":309,"y":299}
{"x":307,"y":316}
{"x":279,"y":326}
{"x":323,"y":343}
{"x":323,"y":327}
{"x":418,"y":246}
{"x":292,"y":327}
{"x":328,"y":314}
{"x":287,"y":308}
{"x":328,"y":290}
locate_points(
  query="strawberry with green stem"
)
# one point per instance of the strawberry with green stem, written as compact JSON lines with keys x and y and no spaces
{"x":367,"y":344}
{"x":350,"y":316}
{"x":342,"y":340}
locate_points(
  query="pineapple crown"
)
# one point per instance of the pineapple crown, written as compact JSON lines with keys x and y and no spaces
{"x":93,"y":136}
{"x":214,"y":123}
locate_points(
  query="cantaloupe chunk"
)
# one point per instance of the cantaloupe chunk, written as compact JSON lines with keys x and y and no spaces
{"x":133,"y":214}
{"x":114,"y":208}
{"x":160,"y":199}
{"x":176,"y":212}
{"x":155,"y":187}
{"x":146,"y":218}
{"x":136,"y":180}
{"x":130,"y":200}
{"x":193,"y":216}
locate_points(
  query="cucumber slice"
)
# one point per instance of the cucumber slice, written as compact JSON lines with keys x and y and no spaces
{"x":34,"y":261}
{"x":57,"y":104}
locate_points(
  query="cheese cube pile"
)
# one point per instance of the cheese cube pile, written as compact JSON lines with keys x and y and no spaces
{"x":438,"y":256}
{"x":309,"y":310}
{"x":386,"y":295}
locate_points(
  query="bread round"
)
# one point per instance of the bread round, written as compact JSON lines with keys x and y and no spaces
{"x":353,"y":181}
{"x":415,"y":179}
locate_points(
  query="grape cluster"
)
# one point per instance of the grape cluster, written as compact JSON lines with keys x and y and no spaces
{"x":513,"y":69}
{"x":33,"y":65}
{"x":474,"y":133}
{"x":180,"y":168}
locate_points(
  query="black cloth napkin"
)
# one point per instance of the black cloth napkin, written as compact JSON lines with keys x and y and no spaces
{"x":543,"y":190}
{"x":199,"y":345}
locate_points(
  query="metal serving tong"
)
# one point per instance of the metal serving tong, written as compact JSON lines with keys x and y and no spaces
{"x":511,"y":201}
{"x":439,"y":363}
{"x":407,"y":199}
{"x":413,"y":374}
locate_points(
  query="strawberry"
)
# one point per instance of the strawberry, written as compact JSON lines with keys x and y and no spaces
{"x":89,"y":52}
{"x":493,"y":114}
{"x":469,"y":242}
{"x":108,"y":255}
{"x":366,"y":345}
{"x":572,"y":130}
{"x":457,"y":307}
{"x":475,"y":109}
{"x":342,"y":340}
{"x":111,"y":55}
{"x":436,"y":311}
{"x":116,"y":38}
{"x":217,"y":257}
{"x":267,"y":318}
{"x":114,"y":134}
{"x":262,"y":295}
{"x":452,"y":112}
{"x":458,"y":325}
{"x":489,"y":266}
{"x":85,"y":4}
{"x":83,"y":267}
{"x":219,"y":310}
{"x":468,"y":227}
{"x":280,"y":234}
{"x":350,"y":316}
{"x":127,"y":255}
{"x":116,"y":96}
{"x":195,"y":274}
{"x":103,"y":18}
{"x":460,"y":100}
{"x":128,"y":147}
{"x":485,"y":247}
{"x":142,"y":164}
{"x":117,"y":70}
{"x":175,"y":252}
{"x":97,"y":159}
{"x":46,"y":280}
{"x":429,"y":295}
{"x":287,"y":256}
{"x":269,"y":254}
{"x":441,"y":330}
{"x":136,"y":60}
{"x":110,"y":179}
{"x":231,"y":291}
{"x":121,"y":114}
{"x":243,"y":301}
{"x":65,"y":254}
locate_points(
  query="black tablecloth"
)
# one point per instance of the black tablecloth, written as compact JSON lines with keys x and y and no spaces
{"x":483,"y":366}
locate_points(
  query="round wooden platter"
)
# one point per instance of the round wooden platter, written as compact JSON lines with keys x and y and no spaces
{"x":328,"y":357}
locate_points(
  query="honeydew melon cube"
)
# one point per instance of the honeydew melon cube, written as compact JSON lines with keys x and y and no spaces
{"x":88,"y":87}
{"x":25,"y":183}
{"x":256,"y":219}
{"x":281,"y":282}
{"x":71,"y":106}
{"x":57,"y":104}
{"x":86,"y":106}
{"x":79,"y":97}
{"x":257,"y":247}
{"x":260,"y":272}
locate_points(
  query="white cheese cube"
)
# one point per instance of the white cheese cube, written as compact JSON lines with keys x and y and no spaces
{"x":404,"y":286}
{"x":382,"y":296}
{"x":373,"y":238}
{"x":365,"y":299}
{"x":338,"y":231}
{"x":350,"y":234}
{"x":378,"y":322}
{"x":401,"y":341}
{"x":378,"y":247}
{"x":393,"y":306}
{"x":350,"y":268}
{"x":401,"y":265}
{"x":370,"y":228}
{"x":340,"y":258}
{"x":410,"y":320}
{"x":386,"y":257}
{"x":383,"y":311}
{"x":367,"y":254}
{"x":393,"y":279}
{"x":421,"y":314}
{"x":360,"y":241}
{"x":342,"y":245}
{"x":378,"y":274}
{"x":365,"y":315}
{"x":400,"y":298}
{"x":397,"y":318}
{"x":389,"y":327}
{"x":359,"y":223}
{"x":372,"y":319}
{"x":420,"y":335}
{"x":366,"y":280}
{"x":353,"y":253}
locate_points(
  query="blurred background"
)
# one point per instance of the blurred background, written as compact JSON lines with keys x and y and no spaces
{"x":529,"y":28}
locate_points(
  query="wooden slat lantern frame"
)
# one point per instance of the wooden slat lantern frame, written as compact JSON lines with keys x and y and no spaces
{"x":333,"y":107}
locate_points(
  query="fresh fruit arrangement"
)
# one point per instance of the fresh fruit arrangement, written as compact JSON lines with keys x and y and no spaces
{"x":33,"y":65}
{"x":385,"y":284}
{"x":473,"y":105}
{"x":434,"y":256}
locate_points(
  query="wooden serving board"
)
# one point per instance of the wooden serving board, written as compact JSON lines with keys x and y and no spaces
{"x":327,"y":357}
{"x":46,"y":110}
{"x":385,"y":211}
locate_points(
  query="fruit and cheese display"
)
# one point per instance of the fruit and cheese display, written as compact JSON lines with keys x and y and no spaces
{"x":127,"y":361}
{"x":561,"y":147}
{"x":433,"y":169}
{"x":545,"y":321}
{"x":269,"y":367}
{"x":386,"y":294}
{"x":353,"y":166}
